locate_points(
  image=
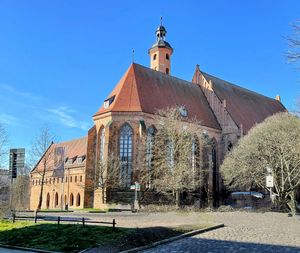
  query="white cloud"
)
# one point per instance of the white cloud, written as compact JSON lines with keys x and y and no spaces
{"x":11,"y":89}
{"x":67,"y":116}
{"x":8,"y":119}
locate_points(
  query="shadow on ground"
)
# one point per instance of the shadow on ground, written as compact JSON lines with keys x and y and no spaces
{"x":196,"y":245}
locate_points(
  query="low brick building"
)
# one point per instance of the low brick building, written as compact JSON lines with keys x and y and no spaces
{"x":129,"y":113}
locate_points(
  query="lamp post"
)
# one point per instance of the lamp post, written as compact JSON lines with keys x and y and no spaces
{"x":270,"y":181}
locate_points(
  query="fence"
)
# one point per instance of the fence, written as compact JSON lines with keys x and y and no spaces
{"x":60,"y":219}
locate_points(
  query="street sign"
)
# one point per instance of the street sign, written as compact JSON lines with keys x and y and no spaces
{"x":135,"y":186}
{"x":16,"y":161}
{"x":269,"y":181}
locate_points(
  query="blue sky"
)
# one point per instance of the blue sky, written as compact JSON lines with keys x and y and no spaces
{"x":60,"y":59}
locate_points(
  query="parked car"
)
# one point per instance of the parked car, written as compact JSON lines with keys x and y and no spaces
{"x":248,"y":199}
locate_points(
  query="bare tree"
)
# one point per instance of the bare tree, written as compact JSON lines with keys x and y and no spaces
{"x":294,"y":43}
{"x":176,"y":156}
{"x":275,"y":143}
{"x":3,"y":144}
{"x":43,"y":151}
{"x":20,"y":189}
{"x":107,"y":175}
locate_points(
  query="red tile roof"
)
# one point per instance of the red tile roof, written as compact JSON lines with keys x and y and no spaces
{"x":142,"y":89}
{"x":73,"y":148}
{"x":244,"y":106}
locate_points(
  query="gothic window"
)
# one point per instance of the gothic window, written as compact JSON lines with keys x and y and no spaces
{"x":78,"y":200}
{"x":154,"y":57}
{"x":194,"y":153}
{"x":48,"y":200}
{"x":167,"y":56}
{"x":126,"y":154}
{"x":56,"y":200}
{"x":71,"y":199}
{"x":167,"y":71}
{"x":102,"y":143}
{"x":149,"y":154}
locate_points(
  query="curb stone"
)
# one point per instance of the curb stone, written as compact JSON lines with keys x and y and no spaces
{"x":26,"y":249}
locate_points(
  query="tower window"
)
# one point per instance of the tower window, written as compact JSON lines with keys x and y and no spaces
{"x":154,"y":57}
{"x":167,"y":57}
{"x":167,"y":71}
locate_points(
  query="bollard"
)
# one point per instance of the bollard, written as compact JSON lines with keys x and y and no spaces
{"x":83,"y":221}
{"x":114,"y":224}
{"x":58,"y":220}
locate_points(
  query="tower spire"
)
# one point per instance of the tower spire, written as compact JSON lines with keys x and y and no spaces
{"x":161,"y":51}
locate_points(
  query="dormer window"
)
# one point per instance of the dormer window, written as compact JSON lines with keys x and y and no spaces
{"x":108,"y":102}
{"x":183,"y":111}
{"x":70,"y":160}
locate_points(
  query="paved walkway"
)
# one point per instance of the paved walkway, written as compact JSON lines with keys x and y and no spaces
{"x":244,"y":232}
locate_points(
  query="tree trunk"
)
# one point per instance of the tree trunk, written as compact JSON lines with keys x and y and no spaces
{"x":292,"y":203}
{"x":42,"y":188}
{"x":177,"y":196}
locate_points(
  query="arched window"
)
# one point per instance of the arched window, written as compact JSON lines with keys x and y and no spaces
{"x":71,"y":199}
{"x":194,"y":154}
{"x":215,"y":172}
{"x":71,"y":179}
{"x":126,"y":154}
{"x":80,"y":179}
{"x":154,"y":57}
{"x":149,"y":154}
{"x":78,"y":200}
{"x":56,"y":200}
{"x":48,"y":201}
{"x":167,"y":57}
{"x":54,"y":180}
{"x":167,"y":71}
{"x":65,"y":200}
{"x":102,"y":143}
{"x":75,"y":179}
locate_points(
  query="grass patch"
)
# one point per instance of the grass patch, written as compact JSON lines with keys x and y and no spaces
{"x":73,"y":237}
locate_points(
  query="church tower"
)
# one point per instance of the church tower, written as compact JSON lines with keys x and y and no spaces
{"x":161,"y":51}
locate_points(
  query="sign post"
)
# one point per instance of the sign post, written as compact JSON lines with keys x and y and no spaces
{"x":270,"y":182}
{"x":16,"y":161}
{"x":136,"y":187}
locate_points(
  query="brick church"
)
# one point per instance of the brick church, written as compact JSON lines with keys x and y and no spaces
{"x":226,"y":112}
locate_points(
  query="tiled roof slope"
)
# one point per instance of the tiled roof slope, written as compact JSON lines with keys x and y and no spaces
{"x":73,"y":148}
{"x":245,"y":107}
{"x":142,"y":89}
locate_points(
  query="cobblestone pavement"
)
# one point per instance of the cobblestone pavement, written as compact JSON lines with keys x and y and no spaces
{"x":244,"y":232}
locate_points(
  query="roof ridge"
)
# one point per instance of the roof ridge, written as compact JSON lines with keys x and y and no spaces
{"x":72,"y":140}
{"x":163,"y":74}
{"x":138,"y":94}
{"x":238,"y":86}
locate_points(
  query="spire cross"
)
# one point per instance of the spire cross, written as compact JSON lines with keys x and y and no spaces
{"x":160,"y":21}
{"x":132,"y":55}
